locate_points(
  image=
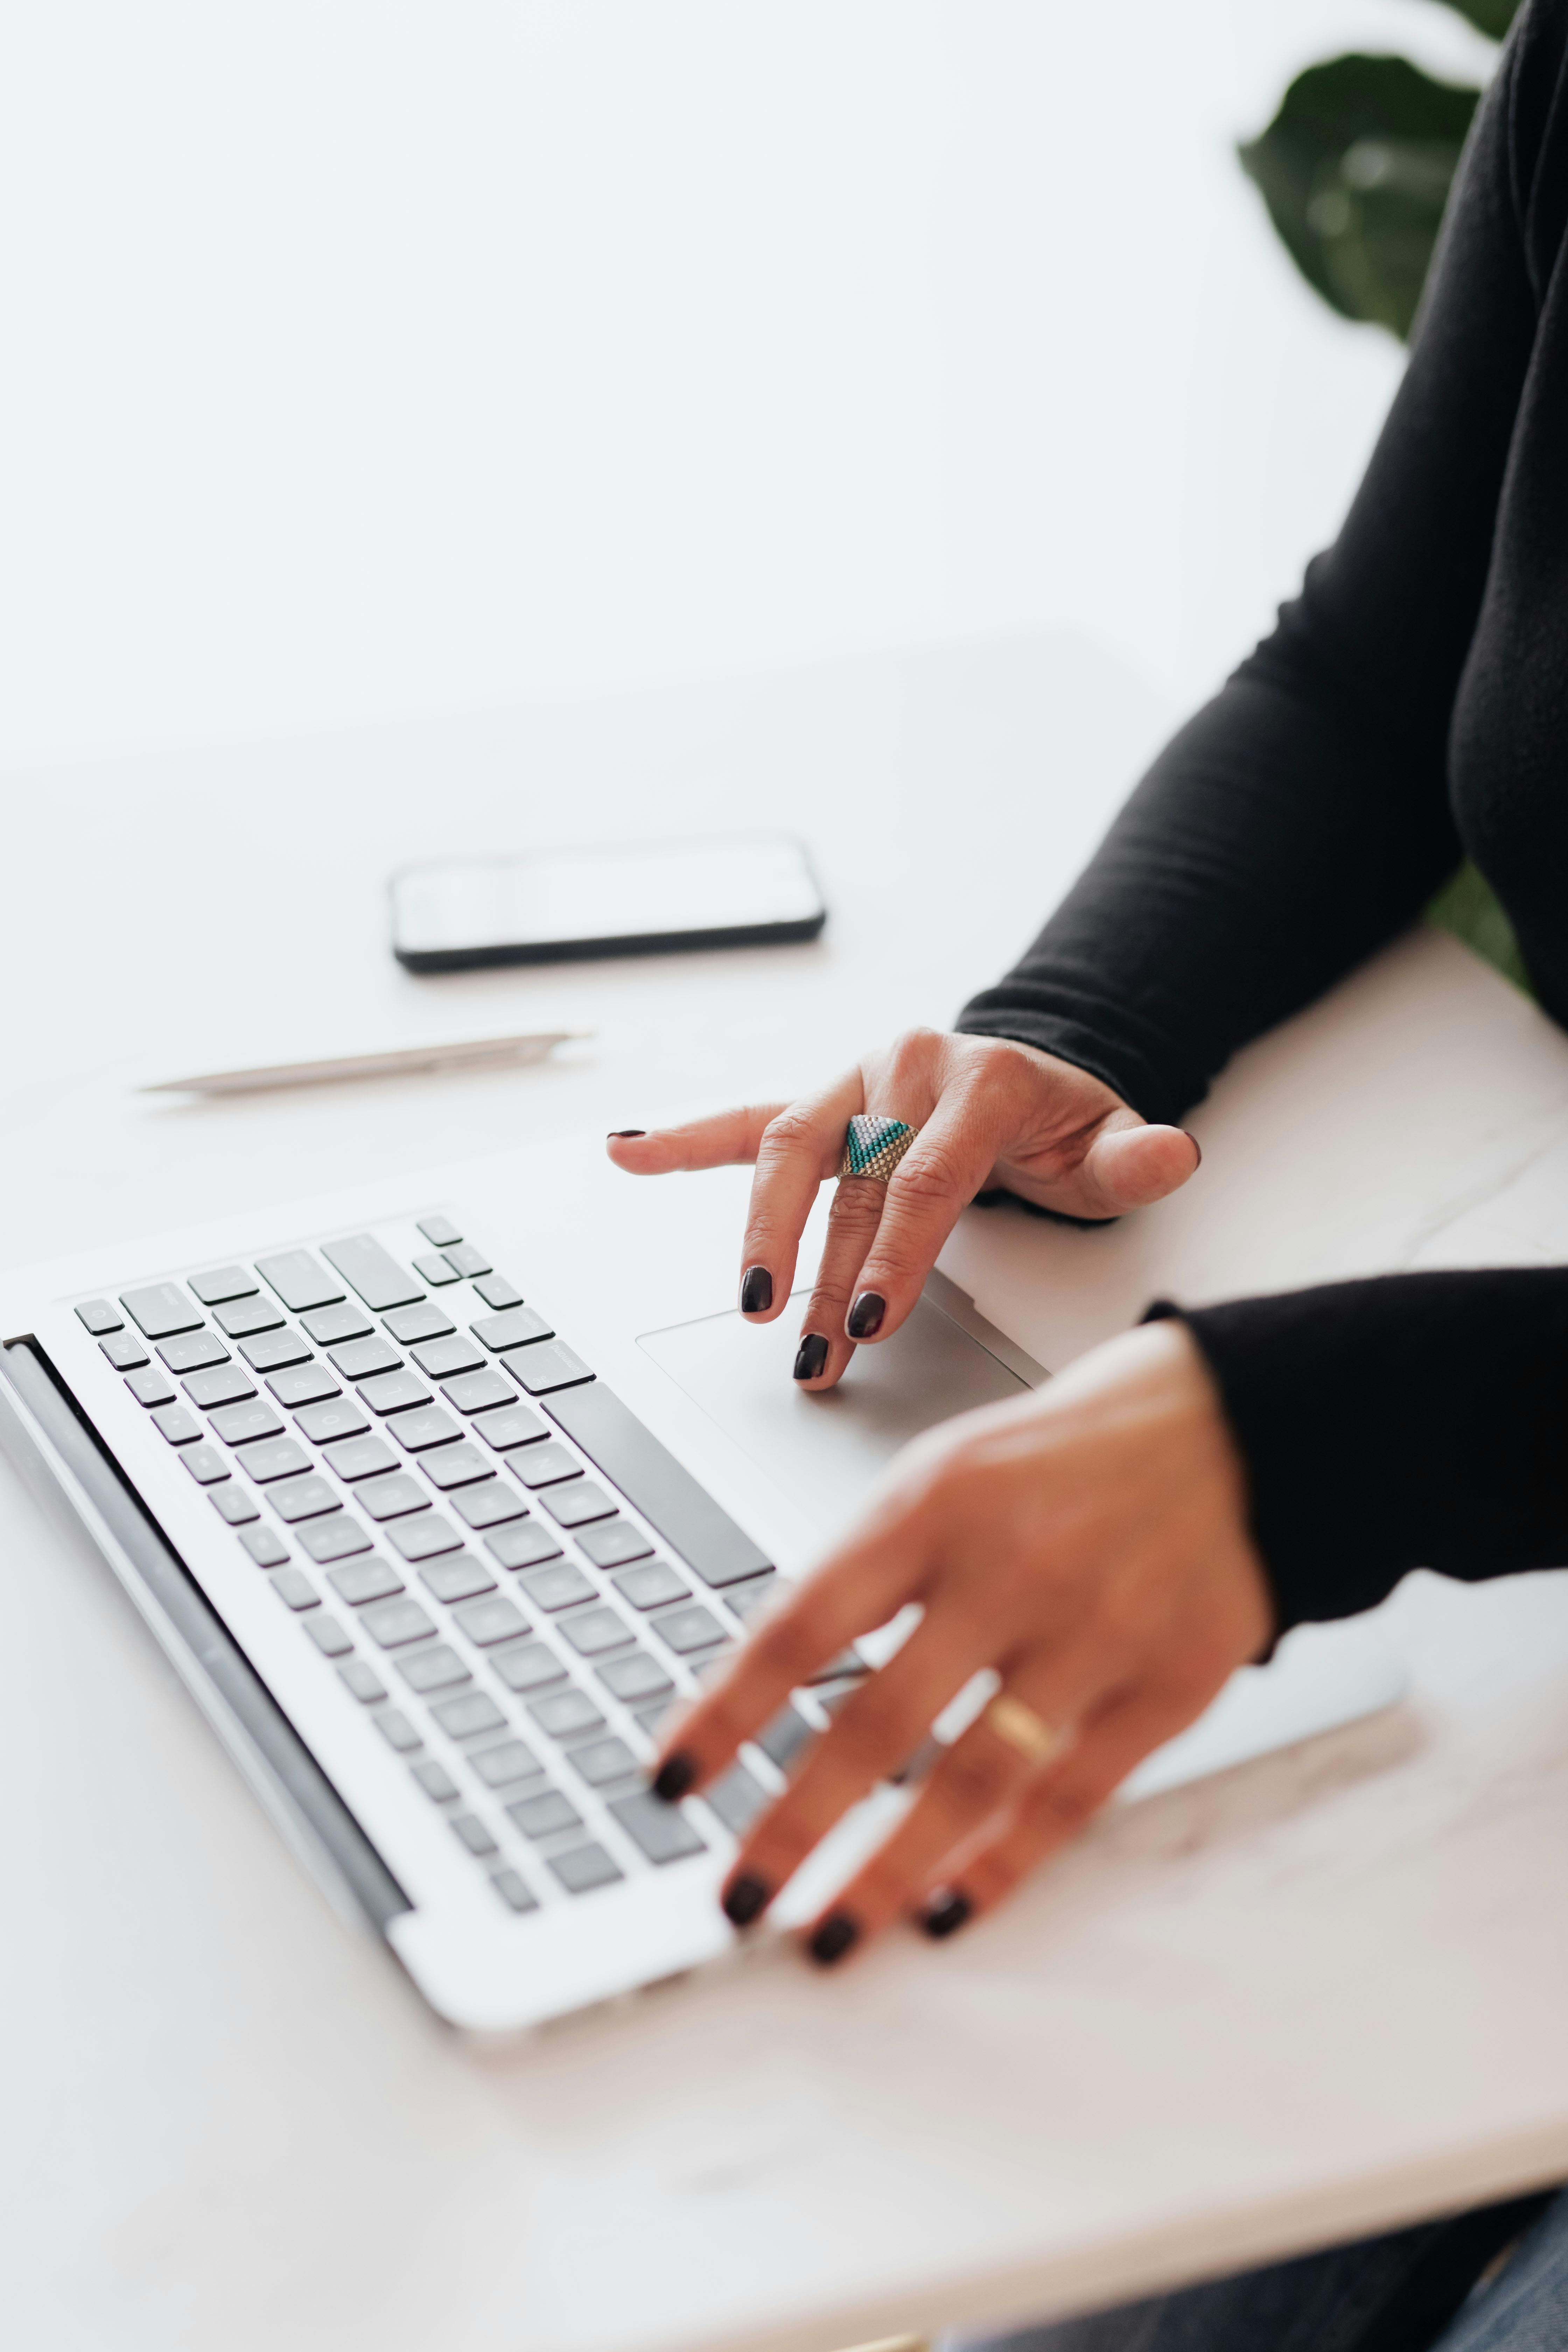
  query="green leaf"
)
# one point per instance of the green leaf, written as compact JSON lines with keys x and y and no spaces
{"x":1467,"y":907}
{"x":1493,"y":17}
{"x":1355,"y":169}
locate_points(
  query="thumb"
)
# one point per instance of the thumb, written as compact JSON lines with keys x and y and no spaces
{"x":1127,"y":1167}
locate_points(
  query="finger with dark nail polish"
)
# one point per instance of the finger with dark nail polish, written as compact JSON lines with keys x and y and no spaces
{"x":745,"y":1899}
{"x":833,"y":1939}
{"x":1197,"y":1146}
{"x":810,"y":1357}
{"x":866,"y":1316}
{"x":756,"y":1290}
{"x":674,"y":1776}
{"x":945,"y":1914}
{"x":625,"y":1134}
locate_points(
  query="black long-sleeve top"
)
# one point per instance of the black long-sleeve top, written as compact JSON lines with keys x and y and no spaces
{"x":1410,"y":707}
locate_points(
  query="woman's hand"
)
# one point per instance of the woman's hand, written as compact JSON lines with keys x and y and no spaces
{"x":1088,"y":1543}
{"x":990,"y":1114}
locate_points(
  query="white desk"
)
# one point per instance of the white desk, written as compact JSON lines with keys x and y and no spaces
{"x":1320,"y":1995}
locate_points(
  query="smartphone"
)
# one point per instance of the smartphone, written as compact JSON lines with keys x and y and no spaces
{"x":638,"y":898}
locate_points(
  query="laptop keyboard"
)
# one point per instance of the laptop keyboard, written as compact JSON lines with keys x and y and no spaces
{"x":514,"y":1580}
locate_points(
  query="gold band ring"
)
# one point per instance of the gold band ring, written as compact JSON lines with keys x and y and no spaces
{"x":1021,"y":1727}
{"x":873,"y":1147}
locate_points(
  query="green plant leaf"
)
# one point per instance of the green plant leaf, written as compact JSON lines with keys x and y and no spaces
{"x":1493,"y":17}
{"x":1355,"y":169}
{"x":1468,"y":908}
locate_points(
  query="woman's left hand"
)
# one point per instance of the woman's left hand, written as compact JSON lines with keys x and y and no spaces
{"x":1089,"y":1544}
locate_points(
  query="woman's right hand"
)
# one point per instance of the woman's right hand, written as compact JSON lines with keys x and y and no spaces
{"x":991,"y":1114}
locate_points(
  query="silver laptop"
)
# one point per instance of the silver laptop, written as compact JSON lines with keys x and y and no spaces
{"x":441,"y":1498}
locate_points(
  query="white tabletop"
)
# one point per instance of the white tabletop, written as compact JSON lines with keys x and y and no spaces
{"x":1317,"y":1995}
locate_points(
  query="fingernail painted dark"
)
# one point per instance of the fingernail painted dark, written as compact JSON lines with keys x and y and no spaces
{"x":674,"y":1776}
{"x":756,"y":1290}
{"x":744,"y":1899}
{"x":866,"y":1316}
{"x":833,"y":1939}
{"x":1197,"y":1146}
{"x":626,"y":1134}
{"x":810,"y":1356}
{"x":945,"y":1914}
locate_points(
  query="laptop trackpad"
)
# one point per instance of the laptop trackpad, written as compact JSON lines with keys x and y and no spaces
{"x":827,"y":1449}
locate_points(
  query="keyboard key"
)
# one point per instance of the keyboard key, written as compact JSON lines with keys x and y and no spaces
{"x":566,"y":1715}
{"x":266,"y":1548}
{"x":204,"y":1463}
{"x":393,"y":1624}
{"x":360,"y":1357}
{"x":652,"y":1719}
{"x":558,"y":1587}
{"x":498,"y":1292}
{"x":329,"y":1326}
{"x":521,"y":1546}
{"x":394,"y":1392}
{"x":531,"y":1668}
{"x":466,"y":1717}
{"x":424,"y":1537}
{"x":363,"y":1580}
{"x":226,"y":1282}
{"x":303,"y":1384}
{"x":603,"y":1763}
{"x":616,"y":1542}
{"x":426,"y":1321}
{"x":545,"y":1466}
{"x":247,"y":1315}
{"x":472,"y":1832}
{"x":343,"y":1417}
{"x":514,"y":1426}
{"x":435,"y":1668}
{"x":655,"y":1485}
{"x":543,"y":1370}
{"x":489,"y":1506}
{"x":295,"y":1590}
{"x":429,"y":1426}
{"x":172,"y":1421}
{"x":436,"y":1780}
{"x":393,"y":1497}
{"x":272,"y":1350}
{"x":303,"y":1498}
{"x":150,"y":1387}
{"x":662,"y":1831}
{"x":584,"y":1868}
{"x":746,"y":1599}
{"x":572,"y":1506}
{"x":338,"y":1537}
{"x":738,"y":1798}
{"x":486,"y":1622}
{"x":467,"y":1259}
{"x":595,"y":1631}
{"x":100,"y":1316}
{"x":455,"y":1465}
{"x":651,"y":1587}
{"x":359,"y":1457}
{"x":395,"y":1730}
{"x":125,"y":1352}
{"x":274,"y":1457}
{"x":499,"y":1767}
{"x":328,"y":1636}
{"x":301,"y":1282}
{"x":457,"y":1580}
{"x":687,"y":1631}
{"x":358,"y":1679}
{"x":782,"y":1740}
{"x":480,"y":1392}
{"x":636,"y":1679}
{"x":366,"y":1268}
{"x":226,"y":1385}
{"x":241,"y":1424}
{"x":435,"y":1270}
{"x":160,"y":1308}
{"x":232,"y":1503}
{"x":544,"y":1815}
{"x":441,"y":1360}
{"x":516,"y":1328}
{"x":196,"y":1349}
{"x":513,"y":1890}
{"x":438,"y":1230}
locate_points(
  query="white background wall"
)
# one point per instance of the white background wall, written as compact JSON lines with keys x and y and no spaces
{"x":365,"y":358}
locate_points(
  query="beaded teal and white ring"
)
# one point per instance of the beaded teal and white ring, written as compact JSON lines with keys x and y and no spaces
{"x":873,"y":1147}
